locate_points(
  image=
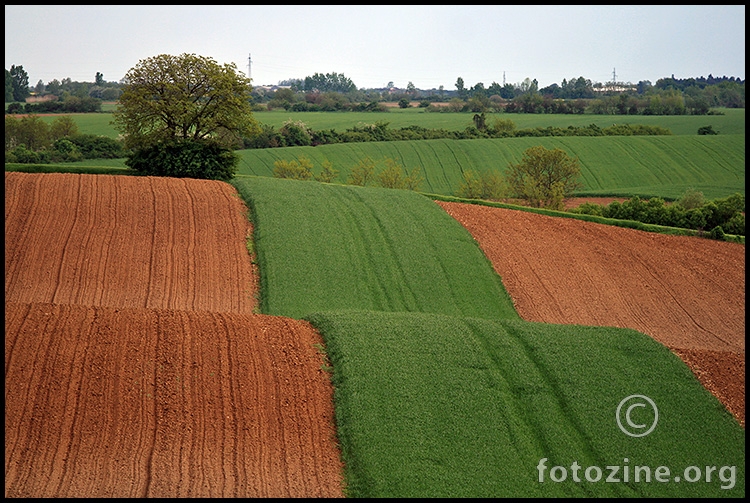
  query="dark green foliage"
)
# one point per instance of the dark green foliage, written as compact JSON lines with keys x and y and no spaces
{"x":299,"y":134}
{"x":265,"y":137}
{"x":707,"y":130}
{"x":185,"y":159}
{"x":689,"y":212}
{"x":97,"y":147}
{"x":717,"y":233}
{"x":295,"y":134}
{"x":15,"y":108}
{"x":22,"y":155}
{"x":71,"y":104}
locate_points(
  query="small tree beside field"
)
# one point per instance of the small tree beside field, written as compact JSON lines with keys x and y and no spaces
{"x":544,"y":178}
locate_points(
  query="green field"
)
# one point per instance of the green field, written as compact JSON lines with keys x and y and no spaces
{"x":440,"y":389}
{"x":647,"y":166}
{"x":437,"y":406}
{"x":732,"y":122}
{"x":331,"y":247}
{"x":663,"y":166}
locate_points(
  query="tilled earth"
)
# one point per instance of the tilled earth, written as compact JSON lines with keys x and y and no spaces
{"x":687,"y":293}
{"x":135,"y":365}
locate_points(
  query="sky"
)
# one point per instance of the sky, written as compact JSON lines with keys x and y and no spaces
{"x":372,"y":45}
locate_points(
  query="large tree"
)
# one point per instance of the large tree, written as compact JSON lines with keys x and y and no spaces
{"x":544,"y":177}
{"x":19,"y":82}
{"x":168,"y":98}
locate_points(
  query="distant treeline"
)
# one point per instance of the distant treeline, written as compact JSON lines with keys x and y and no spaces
{"x":297,"y":133}
{"x":71,"y":104}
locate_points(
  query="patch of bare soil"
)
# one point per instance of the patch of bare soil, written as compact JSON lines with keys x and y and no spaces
{"x":106,"y":402}
{"x":134,"y":366}
{"x":120,"y":241}
{"x":687,"y":293}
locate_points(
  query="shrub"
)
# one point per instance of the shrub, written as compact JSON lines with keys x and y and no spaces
{"x":22,"y":155}
{"x":544,"y":177}
{"x":301,"y":169}
{"x":66,"y":150}
{"x":717,"y":233}
{"x":488,"y":185}
{"x":328,"y":175}
{"x":736,"y":225}
{"x":185,"y":159}
{"x":707,"y":130}
{"x":691,"y":199}
{"x":92,"y":146}
{"x":391,"y":177}
{"x":588,"y":209}
{"x":362,"y":173}
{"x":296,"y":133}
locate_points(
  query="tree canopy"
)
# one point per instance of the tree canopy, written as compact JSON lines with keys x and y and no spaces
{"x":188,"y":97}
{"x":16,"y":84}
{"x":544,"y":177}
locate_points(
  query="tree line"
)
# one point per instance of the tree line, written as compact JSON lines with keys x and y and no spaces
{"x":336,"y":92}
{"x":295,"y":133}
{"x":691,"y":211}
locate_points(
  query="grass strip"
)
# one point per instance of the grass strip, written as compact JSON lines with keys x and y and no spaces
{"x":334,"y":247}
{"x":438,"y":406}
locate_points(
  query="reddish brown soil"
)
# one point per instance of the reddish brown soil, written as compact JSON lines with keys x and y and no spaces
{"x":120,"y":241}
{"x":106,"y":402}
{"x":133,"y":363}
{"x":687,"y":293}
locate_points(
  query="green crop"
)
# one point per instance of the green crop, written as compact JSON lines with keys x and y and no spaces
{"x":334,"y":247}
{"x":438,"y":406}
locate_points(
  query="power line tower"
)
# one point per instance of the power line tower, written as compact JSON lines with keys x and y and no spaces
{"x":249,"y":67}
{"x":614,"y":79}
{"x":503,"y":79}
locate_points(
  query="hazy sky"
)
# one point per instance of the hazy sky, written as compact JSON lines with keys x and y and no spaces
{"x":428,"y":45}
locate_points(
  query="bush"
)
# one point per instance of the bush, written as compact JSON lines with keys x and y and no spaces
{"x":717,"y":233}
{"x":588,"y":209}
{"x":489,"y":185}
{"x":22,"y":155}
{"x":328,"y":175}
{"x":362,"y":173}
{"x":66,"y":150}
{"x":92,"y":146}
{"x":185,"y":159}
{"x":394,"y":176}
{"x":300,"y":169}
{"x":707,"y":130}
{"x":15,"y":108}
{"x":691,"y":199}
{"x":296,"y":133}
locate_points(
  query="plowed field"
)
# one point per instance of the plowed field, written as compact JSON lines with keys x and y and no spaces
{"x":687,"y":293}
{"x":133,"y":363}
{"x":107,"y":402}
{"x":121,"y":241}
